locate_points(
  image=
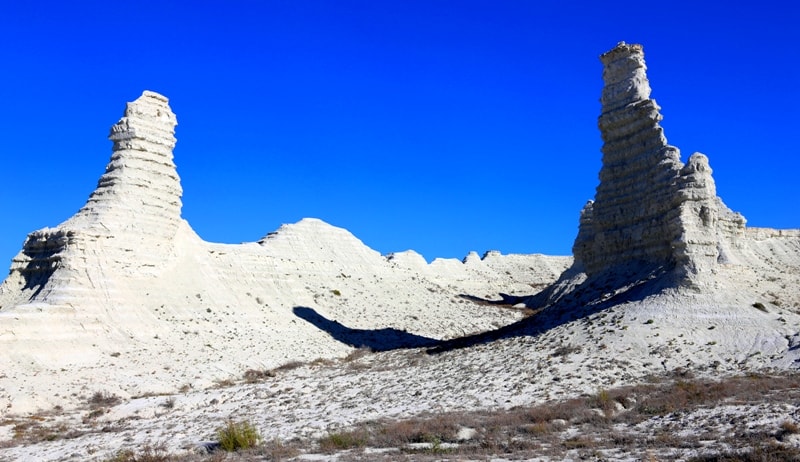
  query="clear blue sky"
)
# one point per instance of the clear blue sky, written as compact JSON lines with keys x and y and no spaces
{"x":441,"y":126}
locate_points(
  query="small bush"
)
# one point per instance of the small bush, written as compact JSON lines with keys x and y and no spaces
{"x":34,"y":431}
{"x":760,"y":306}
{"x":789,"y":428}
{"x":278,"y":450}
{"x":564,"y":350}
{"x":290,"y":365}
{"x":223,"y":383}
{"x":169,"y":403}
{"x":103,"y":398}
{"x":442,"y":428}
{"x":357,"y":354}
{"x":255,"y":375}
{"x":235,"y":436}
{"x":342,"y":440}
{"x":148,"y":453}
{"x":602,"y":400}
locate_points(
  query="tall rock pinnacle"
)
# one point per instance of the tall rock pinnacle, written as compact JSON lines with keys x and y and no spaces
{"x":141,"y":179}
{"x":649,"y":210}
{"x":130,"y":220}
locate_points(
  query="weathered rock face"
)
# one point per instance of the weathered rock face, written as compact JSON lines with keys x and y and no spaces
{"x":141,"y":177}
{"x":133,"y":213}
{"x":138,"y":199}
{"x":650,"y":210}
{"x":127,"y":277}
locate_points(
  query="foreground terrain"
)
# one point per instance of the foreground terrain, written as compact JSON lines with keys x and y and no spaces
{"x":668,"y":416}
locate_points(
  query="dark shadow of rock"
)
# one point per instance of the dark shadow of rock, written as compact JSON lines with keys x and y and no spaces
{"x":376,"y":339}
{"x":562,"y":303}
{"x":41,"y":256}
{"x":505,"y":300}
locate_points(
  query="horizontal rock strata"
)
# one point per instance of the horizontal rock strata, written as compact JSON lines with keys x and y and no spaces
{"x":650,"y":210}
{"x":124,"y":297}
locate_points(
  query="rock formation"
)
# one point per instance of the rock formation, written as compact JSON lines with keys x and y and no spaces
{"x":133,"y":213}
{"x":650,"y":211}
{"x":126,"y":277}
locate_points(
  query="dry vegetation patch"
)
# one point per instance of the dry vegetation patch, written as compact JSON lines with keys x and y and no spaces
{"x":635,"y":420}
{"x":748,"y":417}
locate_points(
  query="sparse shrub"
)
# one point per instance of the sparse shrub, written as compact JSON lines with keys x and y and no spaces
{"x":789,"y":428}
{"x":762,"y":453}
{"x":539,"y":428}
{"x":578,"y":442}
{"x":223,"y":383}
{"x":235,"y":436}
{"x":255,"y":375}
{"x":357,"y":354}
{"x":565,"y":350}
{"x":290,"y":365}
{"x":336,"y":292}
{"x":278,"y":450}
{"x":602,"y":400}
{"x":442,"y":428}
{"x":760,"y":306}
{"x":169,"y":403}
{"x":343,"y":440}
{"x":103,"y":398}
{"x":34,"y":431}
{"x":649,"y":321}
{"x":148,"y":453}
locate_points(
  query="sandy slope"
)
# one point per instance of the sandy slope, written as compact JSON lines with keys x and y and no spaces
{"x":612,"y":347}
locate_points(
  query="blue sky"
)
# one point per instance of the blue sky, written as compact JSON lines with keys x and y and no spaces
{"x":440,"y":126}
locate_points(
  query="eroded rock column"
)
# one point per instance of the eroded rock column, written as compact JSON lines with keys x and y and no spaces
{"x":633,"y":217}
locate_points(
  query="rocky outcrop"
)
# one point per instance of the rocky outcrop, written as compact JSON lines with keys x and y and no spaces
{"x":140,"y":191}
{"x":125,"y":297}
{"x":650,"y":210}
{"x":137,"y":202}
{"x":133,"y":214}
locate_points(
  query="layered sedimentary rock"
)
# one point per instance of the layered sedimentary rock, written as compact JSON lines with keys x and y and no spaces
{"x":650,"y":210}
{"x":125,"y":297}
{"x":133,"y":213}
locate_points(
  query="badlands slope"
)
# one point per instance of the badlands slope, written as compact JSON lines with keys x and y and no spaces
{"x":124,"y":298}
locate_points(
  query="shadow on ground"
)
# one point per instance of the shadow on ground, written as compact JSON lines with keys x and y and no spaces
{"x":561,"y":303}
{"x":376,"y":339}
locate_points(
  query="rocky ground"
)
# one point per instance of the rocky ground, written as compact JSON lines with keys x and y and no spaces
{"x":597,"y":356}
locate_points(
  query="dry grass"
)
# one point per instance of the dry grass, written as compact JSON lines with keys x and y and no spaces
{"x":103,"y":399}
{"x":602,"y":421}
{"x":766,"y":452}
{"x":148,"y":453}
{"x":236,"y":436}
{"x":630,"y":420}
{"x":342,"y":440}
{"x":358,"y":353}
